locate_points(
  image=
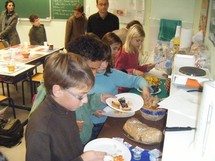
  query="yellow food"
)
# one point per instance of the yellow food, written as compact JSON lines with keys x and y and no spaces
{"x":118,"y":158}
{"x":115,"y":104}
{"x":152,"y":80}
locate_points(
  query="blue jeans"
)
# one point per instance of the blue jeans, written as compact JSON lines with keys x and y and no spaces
{"x":96,"y":130}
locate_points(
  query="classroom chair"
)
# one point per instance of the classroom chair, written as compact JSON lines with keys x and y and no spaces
{"x":10,"y":103}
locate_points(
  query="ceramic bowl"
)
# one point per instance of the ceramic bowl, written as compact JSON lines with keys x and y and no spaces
{"x":153,"y":114}
{"x":25,"y":54}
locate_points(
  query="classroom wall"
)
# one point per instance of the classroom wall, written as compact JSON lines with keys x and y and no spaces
{"x":55,"y":28}
{"x":154,"y":10}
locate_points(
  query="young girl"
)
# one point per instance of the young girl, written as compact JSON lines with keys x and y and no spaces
{"x":127,"y":58}
{"x":113,"y":79}
{"x":76,"y":25}
{"x":115,"y":43}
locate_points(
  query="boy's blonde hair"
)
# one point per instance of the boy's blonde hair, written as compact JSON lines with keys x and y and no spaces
{"x":133,"y":32}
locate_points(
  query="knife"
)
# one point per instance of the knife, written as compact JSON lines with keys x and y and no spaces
{"x":179,"y":128}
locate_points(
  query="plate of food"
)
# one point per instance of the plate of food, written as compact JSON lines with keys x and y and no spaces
{"x":126,"y":102}
{"x":156,"y":90}
{"x":152,"y":80}
{"x":113,"y":113}
{"x":116,"y":151}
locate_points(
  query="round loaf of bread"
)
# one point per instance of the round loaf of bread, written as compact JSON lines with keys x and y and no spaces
{"x":141,"y":132}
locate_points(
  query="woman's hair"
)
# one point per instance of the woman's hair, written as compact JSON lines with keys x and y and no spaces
{"x":78,"y":7}
{"x":134,"y":32}
{"x":32,"y":18}
{"x":133,"y":22}
{"x":111,"y":38}
{"x":67,"y":70}
{"x":9,"y":1}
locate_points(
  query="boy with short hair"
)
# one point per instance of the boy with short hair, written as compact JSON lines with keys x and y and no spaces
{"x":37,"y":33}
{"x":52,"y":133}
{"x":93,"y":53}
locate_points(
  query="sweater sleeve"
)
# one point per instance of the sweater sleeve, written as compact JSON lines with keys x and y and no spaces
{"x":94,"y":101}
{"x":69,"y":25}
{"x":11,"y":25}
{"x":121,"y":62}
{"x":131,"y":80}
{"x":143,"y":68}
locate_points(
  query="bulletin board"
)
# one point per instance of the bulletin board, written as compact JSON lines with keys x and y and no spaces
{"x":128,"y":10}
{"x":212,"y":23}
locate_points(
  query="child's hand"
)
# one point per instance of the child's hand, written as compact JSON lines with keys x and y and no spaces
{"x":99,"y":113}
{"x":106,"y":96}
{"x":146,"y":94}
{"x":80,"y":124}
{"x":150,"y":66}
{"x":139,"y":73}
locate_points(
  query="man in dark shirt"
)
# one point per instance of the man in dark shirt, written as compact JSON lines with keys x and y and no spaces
{"x":103,"y":21}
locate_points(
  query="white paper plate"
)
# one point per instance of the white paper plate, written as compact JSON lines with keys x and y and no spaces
{"x":110,"y":146}
{"x":159,"y":91}
{"x":113,"y":113}
{"x":135,"y":100}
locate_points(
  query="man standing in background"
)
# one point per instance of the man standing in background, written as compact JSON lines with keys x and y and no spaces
{"x":103,"y":21}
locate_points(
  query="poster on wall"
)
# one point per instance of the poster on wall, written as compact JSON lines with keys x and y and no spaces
{"x":204,"y":16}
{"x":212,"y":23}
{"x":128,"y":10}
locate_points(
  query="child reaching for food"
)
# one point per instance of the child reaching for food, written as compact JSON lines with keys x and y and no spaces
{"x":127,"y":58}
{"x":113,"y":79}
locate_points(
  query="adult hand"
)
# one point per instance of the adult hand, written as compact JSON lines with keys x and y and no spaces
{"x":93,"y":156}
{"x":106,"y":96}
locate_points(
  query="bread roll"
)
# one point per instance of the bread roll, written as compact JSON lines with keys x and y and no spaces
{"x":141,"y":132}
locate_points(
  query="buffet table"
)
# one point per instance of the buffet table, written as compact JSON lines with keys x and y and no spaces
{"x":113,"y":127}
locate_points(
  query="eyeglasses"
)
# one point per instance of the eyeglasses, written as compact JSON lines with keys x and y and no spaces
{"x":77,"y":96}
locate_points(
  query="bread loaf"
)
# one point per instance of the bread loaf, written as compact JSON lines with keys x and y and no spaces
{"x":141,"y":132}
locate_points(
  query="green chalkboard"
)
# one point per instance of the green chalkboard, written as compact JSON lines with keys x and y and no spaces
{"x":62,"y":9}
{"x":25,"y":8}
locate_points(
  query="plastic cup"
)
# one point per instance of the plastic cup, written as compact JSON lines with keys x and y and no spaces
{"x":11,"y":66}
{"x":51,"y":47}
{"x":137,"y":155}
{"x":45,"y":43}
